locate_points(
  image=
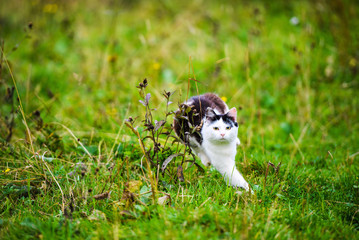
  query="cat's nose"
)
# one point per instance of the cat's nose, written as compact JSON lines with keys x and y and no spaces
{"x":222,"y":134}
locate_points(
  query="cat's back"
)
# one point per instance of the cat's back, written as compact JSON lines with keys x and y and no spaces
{"x":199,"y":105}
{"x":202,"y":102}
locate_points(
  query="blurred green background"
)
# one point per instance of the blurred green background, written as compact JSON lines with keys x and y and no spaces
{"x":79,"y":61}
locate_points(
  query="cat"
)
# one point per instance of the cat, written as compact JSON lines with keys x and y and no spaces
{"x":207,"y":125}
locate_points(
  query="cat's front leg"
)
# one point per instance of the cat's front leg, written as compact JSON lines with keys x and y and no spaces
{"x":234,"y":178}
{"x":237,"y":180}
{"x":238,"y":142}
{"x":204,"y":159}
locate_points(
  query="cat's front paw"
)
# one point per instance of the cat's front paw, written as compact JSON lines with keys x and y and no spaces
{"x":245,"y":187}
{"x":241,"y":192}
{"x":239,"y":182}
{"x":206,"y":163}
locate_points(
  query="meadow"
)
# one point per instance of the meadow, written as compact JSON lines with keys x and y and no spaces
{"x":84,"y":139}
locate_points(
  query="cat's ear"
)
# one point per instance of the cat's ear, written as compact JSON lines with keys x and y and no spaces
{"x":232,"y":113}
{"x":210,"y":114}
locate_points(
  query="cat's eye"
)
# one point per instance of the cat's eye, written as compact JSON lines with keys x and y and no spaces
{"x":228,"y":128}
{"x":215,"y":128}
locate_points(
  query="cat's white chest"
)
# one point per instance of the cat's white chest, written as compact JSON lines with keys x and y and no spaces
{"x":220,"y":151}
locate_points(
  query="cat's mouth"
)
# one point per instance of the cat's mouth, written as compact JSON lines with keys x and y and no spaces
{"x":222,"y":141}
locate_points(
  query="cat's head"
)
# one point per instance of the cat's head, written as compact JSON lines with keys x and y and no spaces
{"x":220,"y":128}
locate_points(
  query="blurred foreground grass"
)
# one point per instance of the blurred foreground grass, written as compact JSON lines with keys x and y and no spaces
{"x":291,"y":66}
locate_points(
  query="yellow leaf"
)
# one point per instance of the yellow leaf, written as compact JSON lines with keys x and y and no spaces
{"x":134,"y":185}
{"x":353,"y":62}
{"x":50,"y":8}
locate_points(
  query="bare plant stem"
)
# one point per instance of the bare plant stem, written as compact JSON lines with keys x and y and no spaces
{"x":62,"y":193}
{"x":148,"y":161}
{"x":28,"y":132}
{"x":77,"y":139}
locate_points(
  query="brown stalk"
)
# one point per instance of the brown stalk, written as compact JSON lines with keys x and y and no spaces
{"x":148,"y":161}
{"x":28,"y":132}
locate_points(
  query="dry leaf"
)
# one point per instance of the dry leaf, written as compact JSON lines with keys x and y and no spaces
{"x":134,"y":186}
{"x":102,"y":196}
{"x":164,"y":200}
{"x":159,"y":124}
{"x":169,"y":159}
{"x":97,"y":215}
{"x":180,"y":173}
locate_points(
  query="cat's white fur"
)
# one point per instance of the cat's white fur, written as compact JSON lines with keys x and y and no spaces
{"x":219,"y":148}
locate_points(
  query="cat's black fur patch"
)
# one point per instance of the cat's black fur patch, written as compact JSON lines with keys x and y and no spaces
{"x":199,"y":105}
{"x":226,"y":119}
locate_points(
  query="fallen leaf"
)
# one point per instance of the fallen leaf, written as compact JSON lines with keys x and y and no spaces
{"x":159,"y":124}
{"x":180,"y":173}
{"x":97,"y":215}
{"x":169,"y":159}
{"x":164,"y":200}
{"x":134,"y":186}
{"x":102,"y":196}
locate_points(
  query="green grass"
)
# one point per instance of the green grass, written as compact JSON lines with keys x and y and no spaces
{"x":76,"y":65}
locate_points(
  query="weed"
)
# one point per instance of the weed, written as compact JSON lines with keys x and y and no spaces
{"x":157,"y":144}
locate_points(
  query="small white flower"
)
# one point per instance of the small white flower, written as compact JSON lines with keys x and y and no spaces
{"x":294,"y":21}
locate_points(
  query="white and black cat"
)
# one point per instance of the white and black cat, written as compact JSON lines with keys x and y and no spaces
{"x":211,"y":130}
